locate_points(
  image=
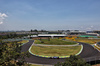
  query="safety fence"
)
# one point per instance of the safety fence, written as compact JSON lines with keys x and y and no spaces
{"x":92,"y":58}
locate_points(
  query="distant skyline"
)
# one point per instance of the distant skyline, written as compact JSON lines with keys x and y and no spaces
{"x":49,"y":14}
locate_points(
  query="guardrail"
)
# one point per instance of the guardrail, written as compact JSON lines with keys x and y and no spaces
{"x":95,"y":58}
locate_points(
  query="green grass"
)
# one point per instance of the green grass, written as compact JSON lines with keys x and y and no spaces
{"x":23,"y":41}
{"x":55,"y":50}
{"x":54,"y":42}
{"x":86,"y":40}
{"x":35,"y":65}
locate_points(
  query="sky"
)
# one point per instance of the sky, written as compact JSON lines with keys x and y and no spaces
{"x":49,"y":14}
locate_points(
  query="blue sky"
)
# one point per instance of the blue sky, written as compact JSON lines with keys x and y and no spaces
{"x":50,"y":14}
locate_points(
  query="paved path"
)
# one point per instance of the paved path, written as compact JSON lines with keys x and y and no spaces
{"x":54,"y":45}
{"x":88,"y":52}
{"x":38,"y":60}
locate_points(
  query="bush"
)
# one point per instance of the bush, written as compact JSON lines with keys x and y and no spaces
{"x":73,"y":61}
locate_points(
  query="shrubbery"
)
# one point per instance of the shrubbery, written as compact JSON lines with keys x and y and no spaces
{"x":11,"y":55}
{"x":73,"y":61}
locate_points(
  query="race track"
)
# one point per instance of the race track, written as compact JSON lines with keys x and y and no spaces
{"x":87,"y":52}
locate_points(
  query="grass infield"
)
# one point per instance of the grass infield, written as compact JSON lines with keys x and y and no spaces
{"x":89,"y":41}
{"x":54,"y":42}
{"x":55,"y":50}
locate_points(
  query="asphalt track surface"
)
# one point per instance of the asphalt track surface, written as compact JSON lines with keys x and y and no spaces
{"x":88,"y":52}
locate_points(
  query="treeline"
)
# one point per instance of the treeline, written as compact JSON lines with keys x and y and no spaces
{"x":12,"y":36}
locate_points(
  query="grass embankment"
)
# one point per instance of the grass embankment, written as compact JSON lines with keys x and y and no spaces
{"x":35,"y":65}
{"x":55,"y":50}
{"x":38,"y":65}
{"x":86,"y":40}
{"x":54,"y":42}
{"x":23,"y":41}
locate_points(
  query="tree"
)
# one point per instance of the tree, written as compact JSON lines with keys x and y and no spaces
{"x":48,"y":38}
{"x":31,"y":30}
{"x":73,"y":61}
{"x":35,"y":30}
{"x":11,"y":55}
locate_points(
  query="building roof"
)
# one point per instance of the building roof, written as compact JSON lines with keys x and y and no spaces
{"x":52,"y":35}
{"x":87,"y":36}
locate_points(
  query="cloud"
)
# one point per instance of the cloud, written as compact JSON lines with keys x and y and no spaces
{"x":2,"y":17}
{"x":92,"y":26}
{"x":1,"y":22}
